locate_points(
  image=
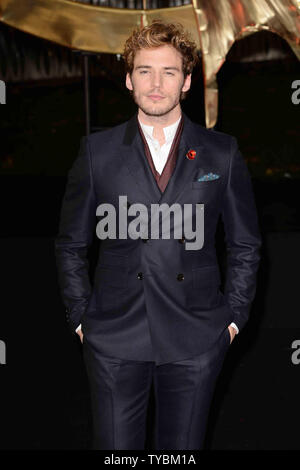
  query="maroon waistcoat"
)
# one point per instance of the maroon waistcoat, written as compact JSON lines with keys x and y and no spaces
{"x":162,"y":180}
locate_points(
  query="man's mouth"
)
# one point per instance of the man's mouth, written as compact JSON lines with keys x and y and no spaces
{"x":155,"y":97}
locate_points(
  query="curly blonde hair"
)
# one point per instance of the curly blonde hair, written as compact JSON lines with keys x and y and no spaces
{"x":159,"y":33}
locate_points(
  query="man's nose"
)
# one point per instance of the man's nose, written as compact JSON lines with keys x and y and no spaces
{"x":157,"y":79}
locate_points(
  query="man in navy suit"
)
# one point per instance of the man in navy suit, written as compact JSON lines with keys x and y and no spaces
{"x":155,"y":311}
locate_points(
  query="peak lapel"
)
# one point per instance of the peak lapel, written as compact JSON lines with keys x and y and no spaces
{"x":184,"y":169}
{"x":134,"y":157}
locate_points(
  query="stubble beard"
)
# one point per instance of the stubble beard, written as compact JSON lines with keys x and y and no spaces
{"x":152,"y":110}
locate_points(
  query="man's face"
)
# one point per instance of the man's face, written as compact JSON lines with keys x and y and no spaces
{"x":157,"y":80}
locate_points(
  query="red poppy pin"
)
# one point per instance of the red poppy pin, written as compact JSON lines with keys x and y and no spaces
{"x":191,"y":154}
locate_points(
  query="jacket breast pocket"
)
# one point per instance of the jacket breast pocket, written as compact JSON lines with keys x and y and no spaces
{"x":213,"y":184}
{"x":205,"y":293}
{"x":111,"y":282}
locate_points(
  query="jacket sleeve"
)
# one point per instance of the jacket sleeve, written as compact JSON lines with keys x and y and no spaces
{"x":75,"y":235}
{"x":242,"y":237}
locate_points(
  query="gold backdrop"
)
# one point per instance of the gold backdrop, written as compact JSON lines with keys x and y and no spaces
{"x":214,"y":25}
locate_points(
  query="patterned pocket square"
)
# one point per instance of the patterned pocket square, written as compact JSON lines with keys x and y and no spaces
{"x":209,"y":177}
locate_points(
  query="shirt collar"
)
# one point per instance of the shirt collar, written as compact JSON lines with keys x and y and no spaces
{"x":169,"y":131}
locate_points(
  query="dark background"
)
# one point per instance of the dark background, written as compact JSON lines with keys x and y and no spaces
{"x":44,"y":389}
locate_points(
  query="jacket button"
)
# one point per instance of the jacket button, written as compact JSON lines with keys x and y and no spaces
{"x":180,"y":277}
{"x":181,"y":240}
{"x":140,"y":276}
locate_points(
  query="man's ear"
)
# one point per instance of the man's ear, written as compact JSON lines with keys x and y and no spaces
{"x":128,"y":81}
{"x":187,"y":82}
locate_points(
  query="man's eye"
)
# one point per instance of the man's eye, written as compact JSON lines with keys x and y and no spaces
{"x":144,"y":71}
{"x":170,"y":73}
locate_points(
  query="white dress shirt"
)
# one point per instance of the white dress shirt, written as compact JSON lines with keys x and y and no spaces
{"x":160,"y":155}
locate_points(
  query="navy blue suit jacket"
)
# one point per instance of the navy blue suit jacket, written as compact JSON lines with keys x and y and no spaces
{"x":155,"y":300}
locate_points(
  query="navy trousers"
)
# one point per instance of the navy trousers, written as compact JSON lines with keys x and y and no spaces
{"x":120,"y":389}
